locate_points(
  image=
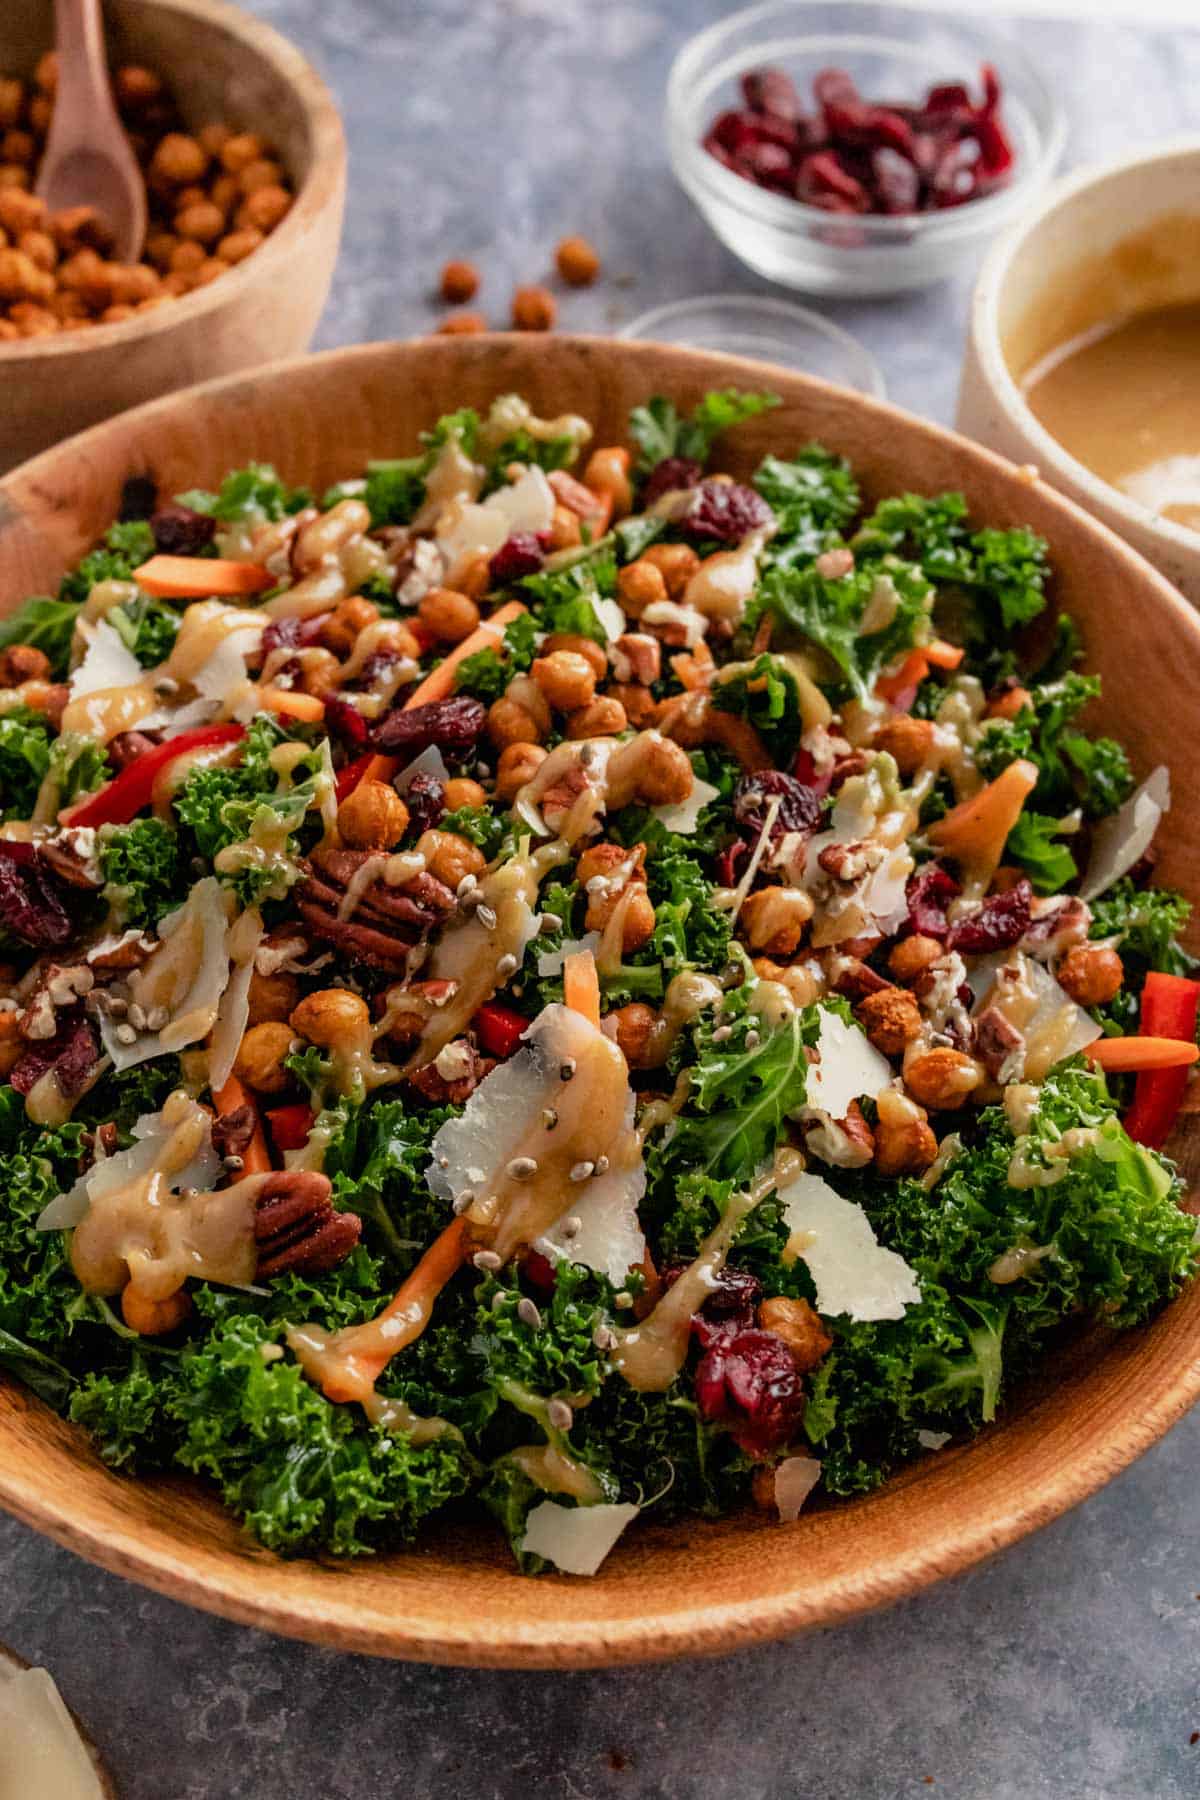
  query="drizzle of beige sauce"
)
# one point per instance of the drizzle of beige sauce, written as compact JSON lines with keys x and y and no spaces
{"x":108,"y":711}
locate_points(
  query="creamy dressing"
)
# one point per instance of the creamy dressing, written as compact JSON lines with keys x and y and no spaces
{"x":207,"y":627}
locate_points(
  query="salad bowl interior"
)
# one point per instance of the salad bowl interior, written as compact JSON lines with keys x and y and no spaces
{"x":697,"y":1587}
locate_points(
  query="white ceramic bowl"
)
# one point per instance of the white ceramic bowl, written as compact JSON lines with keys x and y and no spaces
{"x":1103,"y":243}
{"x":898,"y":51}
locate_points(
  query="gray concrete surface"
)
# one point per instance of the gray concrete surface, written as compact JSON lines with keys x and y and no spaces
{"x":1071,"y":1666}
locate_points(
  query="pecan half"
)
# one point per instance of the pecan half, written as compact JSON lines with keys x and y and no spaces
{"x":232,"y":1131}
{"x":386,"y":921}
{"x":72,"y":1053}
{"x":72,"y":857}
{"x":296,"y":1227}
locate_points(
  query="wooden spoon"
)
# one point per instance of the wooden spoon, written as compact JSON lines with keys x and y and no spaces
{"x":88,"y":159}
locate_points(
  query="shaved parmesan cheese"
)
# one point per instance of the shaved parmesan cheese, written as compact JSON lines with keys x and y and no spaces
{"x":854,"y":1274}
{"x":233,"y":1014}
{"x":1121,"y":841}
{"x":604,"y":1233}
{"x":465,"y":530}
{"x":43,"y":1754}
{"x":108,"y":663}
{"x":683,"y":815}
{"x":150,"y":1133}
{"x":526,"y":504}
{"x":848,"y":1067}
{"x":610,"y":617}
{"x":550,"y":962}
{"x":933,"y":1440}
{"x":576,"y":1539}
{"x":1054,"y":1025}
{"x":188,"y":973}
{"x":224,"y":669}
{"x":795,"y":1479}
{"x":430,"y":762}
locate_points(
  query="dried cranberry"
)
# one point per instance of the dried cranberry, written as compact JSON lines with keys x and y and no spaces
{"x":1000,"y":922}
{"x":772,"y":166}
{"x":929,"y":893}
{"x":72,"y":1053}
{"x":425,"y":797}
{"x":453,"y":725}
{"x":731,"y":861}
{"x":518,"y":556}
{"x":834,"y":87}
{"x":292,"y":633}
{"x":181,"y":530}
{"x":823,"y":182}
{"x":671,"y":473}
{"x":950,"y":96}
{"x":31,"y":904}
{"x":539,"y":1272}
{"x":799,"y":806}
{"x":897,"y":184}
{"x":727,"y":511}
{"x":344,"y":720}
{"x":771,"y":91}
{"x":750,"y":1382}
{"x":729,"y":1307}
{"x":732,"y":132}
{"x":377,"y":664}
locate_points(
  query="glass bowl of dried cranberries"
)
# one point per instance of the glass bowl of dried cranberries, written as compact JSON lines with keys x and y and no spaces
{"x":879,"y":156}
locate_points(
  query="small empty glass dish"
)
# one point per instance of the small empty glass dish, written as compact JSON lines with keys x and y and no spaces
{"x":774,"y":331}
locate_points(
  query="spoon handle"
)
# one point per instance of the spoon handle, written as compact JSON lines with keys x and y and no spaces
{"x":83,"y":91}
{"x":88,"y":159}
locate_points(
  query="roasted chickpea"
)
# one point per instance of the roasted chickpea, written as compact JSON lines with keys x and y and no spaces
{"x":260,"y":174}
{"x":209,"y":271}
{"x":518,"y":764}
{"x":567,"y":679}
{"x":159,"y":245}
{"x":137,"y":87}
{"x":238,"y":245}
{"x":239,"y":151}
{"x":588,"y":648}
{"x":891,"y":1019}
{"x":40,"y":248}
{"x":41,"y":112}
{"x":909,"y":741}
{"x":510,"y":723}
{"x":912,"y":956}
{"x":534,"y":309}
{"x":904,"y":1140}
{"x":330,"y":1017}
{"x":19,"y":147}
{"x":372,"y":816}
{"x":80,"y":228}
{"x":676,"y":563}
{"x":604,"y":717}
{"x":48,"y":697}
{"x":640,"y":584}
{"x":449,"y":857}
{"x":272,"y":996}
{"x":225,"y":192}
{"x":634,"y":1026}
{"x":134,"y":283}
{"x":12,"y":98}
{"x":319,"y":670}
{"x":577,"y":261}
{"x":664,"y":773}
{"x":259,"y":1061}
{"x":154,"y":1318}
{"x":776,"y":918}
{"x":799,"y":1326}
{"x":474,"y":578}
{"x":459,"y":282}
{"x":604,"y":861}
{"x":448,"y":615}
{"x":1091,"y":973}
{"x":23,"y":662}
{"x":21,"y":212}
{"x":801,"y":983}
{"x":263,"y":209}
{"x":462,"y":324}
{"x":45,"y":75}
{"x":202,"y":221}
{"x":941,"y":1078}
{"x":32,"y":320}
{"x":341,"y":629}
{"x":607,"y":472}
{"x":186,"y":257}
{"x":21,"y":279}
{"x":639,"y":703}
{"x":461,"y":791}
{"x":213,"y":138}
{"x":177,"y":160}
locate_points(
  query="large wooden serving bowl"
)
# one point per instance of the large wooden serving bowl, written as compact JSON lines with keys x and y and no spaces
{"x":693,"y":1587}
{"x":220,"y":63}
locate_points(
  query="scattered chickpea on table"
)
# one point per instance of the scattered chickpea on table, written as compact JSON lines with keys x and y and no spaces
{"x":213,"y":199}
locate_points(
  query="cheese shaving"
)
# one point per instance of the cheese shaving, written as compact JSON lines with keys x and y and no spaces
{"x":848,"y":1067}
{"x":855,"y":1275}
{"x":576,"y":1539}
{"x":683,"y":816}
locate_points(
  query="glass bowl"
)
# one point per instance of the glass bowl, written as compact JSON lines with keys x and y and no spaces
{"x":776,"y":331}
{"x":891,"y":52}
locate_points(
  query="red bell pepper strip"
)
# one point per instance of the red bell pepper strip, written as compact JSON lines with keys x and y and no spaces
{"x":500,"y":1028}
{"x":123,"y":798}
{"x":351,"y":773}
{"x":1169,"y":1009}
{"x":290,"y":1125}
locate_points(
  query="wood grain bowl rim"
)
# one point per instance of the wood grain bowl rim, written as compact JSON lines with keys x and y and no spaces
{"x":596,"y":1624}
{"x":321,"y":188}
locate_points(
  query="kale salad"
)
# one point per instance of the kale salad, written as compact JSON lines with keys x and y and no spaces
{"x":548,"y":981}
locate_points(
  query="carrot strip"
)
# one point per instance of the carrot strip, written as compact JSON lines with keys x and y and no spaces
{"x":976,"y":830}
{"x":199,"y":577}
{"x":581,"y":985}
{"x":1118,"y":1055}
{"x":942,"y":655}
{"x":256,"y":1159}
{"x":292,"y":705}
{"x":911,"y":673}
{"x":415,"y":1297}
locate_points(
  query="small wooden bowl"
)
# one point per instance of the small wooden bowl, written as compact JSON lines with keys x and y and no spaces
{"x":220,"y":63}
{"x":694,"y":1587}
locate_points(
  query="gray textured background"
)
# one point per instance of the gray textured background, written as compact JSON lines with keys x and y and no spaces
{"x":1071,"y":1666}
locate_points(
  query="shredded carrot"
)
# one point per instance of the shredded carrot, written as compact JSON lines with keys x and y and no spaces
{"x":415,"y":1297}
{"x":292,"y":705}
{"x":941,"y":655}
{"x":911,"y":673}
{"x":976,"y":830}
{"x":581,"y":985}
{"x":486,"y":636}
{"x":199,"y":577}
{"x":231,"y":1095}
{"x":1118,"y":1055}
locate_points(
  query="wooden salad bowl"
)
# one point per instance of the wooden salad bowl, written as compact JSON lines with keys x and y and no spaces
{"x":697,"y":1586}
{"x":220,"y":63}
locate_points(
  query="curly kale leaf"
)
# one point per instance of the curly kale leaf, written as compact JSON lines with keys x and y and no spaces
{"x":557,"y":1356}
{"x":487,"y":673}
{"x":831,"y":614}
{"x":146,"y":627}
{"x":1032,"y":843}
{"x":124,"y":547}
{"x":36,"y":1283}
{"x":255,"y":492}
{"x":1147,"y":923}
{"x":24,"y":760}
{"x":814,"y":497}
{"x":222,"y":806}
{"x":479,"y":826}
{"x":377,"y":1161}
{"x":395,"y":486}
{"x":1073,"y":769}
{"x":766,"y":695}
{"x":689,"y":932}
{"x":564,"y":598}
{"x":659,"y":430}
{"x":142,"y":869}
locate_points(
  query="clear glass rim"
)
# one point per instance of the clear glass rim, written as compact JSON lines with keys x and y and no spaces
{"x":764,"y":308}
{"x":701,"y":173}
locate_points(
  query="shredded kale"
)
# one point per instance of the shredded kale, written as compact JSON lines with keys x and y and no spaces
{"x":659,"y":430}
{"x":222,"y":806}
{"x":565,"y":597}
{"x":141,"y":867}
{"x":766,"y":695}
{"x":24,"y":760}
{"x":124,"y":548}
{"x":478,"y":825}
{"x":1073,"y":770}
{"x":255,"y":492}
{"x":814,"y":497}
{"x":147,"y":627}
{"x":1033,"y":843}
{"x":830,"y":613}
{"x":395,"y":486}
{"x":487,"y":673}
